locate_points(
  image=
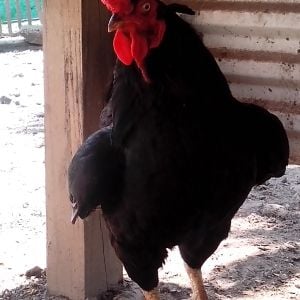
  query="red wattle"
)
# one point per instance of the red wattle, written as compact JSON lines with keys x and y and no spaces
{"x":159,"y":29}
{"x":132,"y":45}
{"x":129,"y":47}
{"x":139,"y":47}
{"x":122,"y":47}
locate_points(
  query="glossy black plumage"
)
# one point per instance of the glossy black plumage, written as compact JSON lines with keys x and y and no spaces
{"x":180,"y":159}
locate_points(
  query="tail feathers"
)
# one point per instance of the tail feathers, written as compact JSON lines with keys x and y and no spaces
{"x":273,"y":151}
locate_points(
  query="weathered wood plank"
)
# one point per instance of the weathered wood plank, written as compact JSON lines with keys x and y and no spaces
{"x":8,"y":16}
{"x":80,"y":261}
{"x":18,"y":11}
{"x":28,"y":10}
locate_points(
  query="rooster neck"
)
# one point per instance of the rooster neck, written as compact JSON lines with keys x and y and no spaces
{"x":183,"y":63}
{"x":182,"y":73}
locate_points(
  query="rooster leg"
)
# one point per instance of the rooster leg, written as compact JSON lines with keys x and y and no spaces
{"x":151,"y":295}
{"x":196,"y":283}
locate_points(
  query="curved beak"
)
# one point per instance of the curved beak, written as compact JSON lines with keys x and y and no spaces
{"x":114,"y":23}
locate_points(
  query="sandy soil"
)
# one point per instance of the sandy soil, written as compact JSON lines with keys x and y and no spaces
{"x":259,"y":260}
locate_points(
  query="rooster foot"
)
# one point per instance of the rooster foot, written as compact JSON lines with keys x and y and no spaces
{"x":151,"y":295}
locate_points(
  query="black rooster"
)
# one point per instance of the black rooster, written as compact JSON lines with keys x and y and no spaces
{"x":182,"y":154}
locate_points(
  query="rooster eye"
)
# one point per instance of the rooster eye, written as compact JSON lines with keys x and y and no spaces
{"x":146,"y":7}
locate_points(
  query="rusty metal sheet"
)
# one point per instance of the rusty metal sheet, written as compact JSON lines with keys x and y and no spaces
{"x":257,"y":45}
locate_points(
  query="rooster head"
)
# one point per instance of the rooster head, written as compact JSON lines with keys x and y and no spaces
{"x":138,"y":29}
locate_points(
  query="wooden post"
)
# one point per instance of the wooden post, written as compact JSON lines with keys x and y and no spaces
{"x":78,"y":61}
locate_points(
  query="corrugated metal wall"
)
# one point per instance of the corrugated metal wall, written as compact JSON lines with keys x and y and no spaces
{"x":257,"y":45}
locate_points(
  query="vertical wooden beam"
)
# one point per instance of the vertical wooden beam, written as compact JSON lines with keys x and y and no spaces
{"x":28,"y":10}
{"x":0,"y":28}
{"x":78,"y":59}
{"x":39,"y":9}
{"x":19,"y":15}
{"x":8,"y":17}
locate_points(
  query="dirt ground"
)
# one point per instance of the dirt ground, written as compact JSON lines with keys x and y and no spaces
{"x":259,"y":260}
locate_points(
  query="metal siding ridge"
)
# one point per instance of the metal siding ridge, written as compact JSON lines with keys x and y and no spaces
{"x":242,"y":6}
{"x":277,"y":107}
{"x":258,"y":72}
{"x":259,"y":56}
{"x":272,"y":82}
{"x":274,"y":94}
{"x":253,"y":44}
{"x":253,"y":22}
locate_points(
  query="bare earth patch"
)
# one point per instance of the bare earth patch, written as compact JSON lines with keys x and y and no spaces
{"x":259,"y":260}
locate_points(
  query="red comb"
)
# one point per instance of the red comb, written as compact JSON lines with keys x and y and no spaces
{"x":116,"y":6}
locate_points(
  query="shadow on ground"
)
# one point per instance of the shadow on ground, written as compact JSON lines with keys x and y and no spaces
{"x":16,"y":44}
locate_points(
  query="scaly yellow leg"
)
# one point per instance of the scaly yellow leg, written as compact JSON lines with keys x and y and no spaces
{"x":196,"y":283}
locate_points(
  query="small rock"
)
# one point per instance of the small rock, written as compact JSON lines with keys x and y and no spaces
{"x":33,"y":34}
{"x":19,"y":75}
{"x":40,"y":115}
{"x":34,"y":272}
{"x":263,"y":248}
{"x":274,"y":210}
{"x":5,"y":100}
